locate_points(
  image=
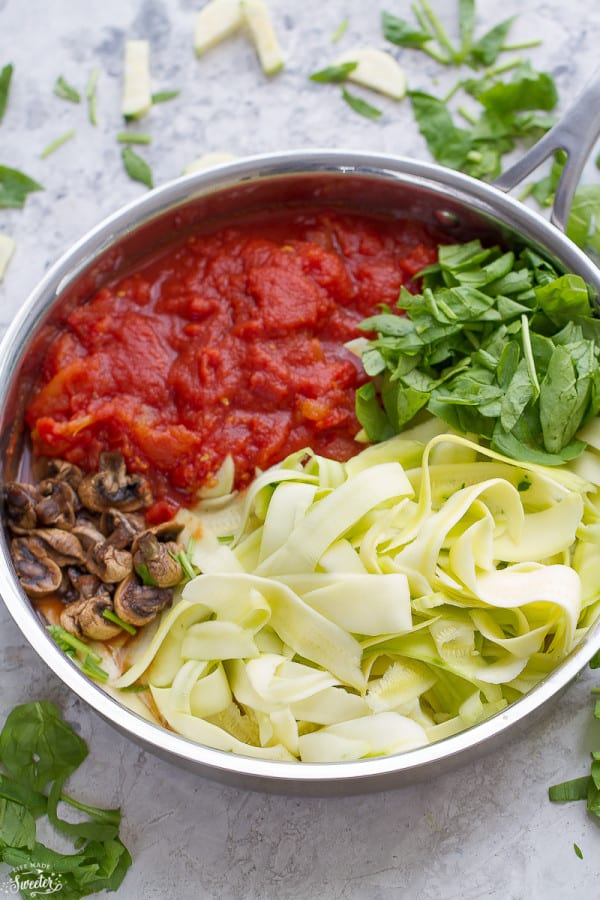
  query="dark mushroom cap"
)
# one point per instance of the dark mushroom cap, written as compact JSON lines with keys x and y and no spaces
{"x":112,"y":486}
{"x":158,"y":560}
{"x":21,"y":502}
{"x":139,"y":603}
{"x":121,"y":528}
{"x":38,"y":574}
{"x":57,"y":505}
{"x":109,"y":563}
{"x":85,"y":617}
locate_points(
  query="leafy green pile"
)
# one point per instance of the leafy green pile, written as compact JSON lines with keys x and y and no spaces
{"x":497,"y":345}
{"x":38,"y":752}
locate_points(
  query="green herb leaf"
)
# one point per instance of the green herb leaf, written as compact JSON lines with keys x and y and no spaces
{"x":486,"y":50}
{"x":334,"y":74}
{"x":5,"y":78}
{"x":164,"y":96}
{"x":361,"y":106}
{"x":136,"y":167}
{"x":14,"y":187}
{"x":577,"y":850}
{"x":400,"y":32}
{"x":66,"y":91}
{"x":38,"y":746}
{"x":567,"y":791}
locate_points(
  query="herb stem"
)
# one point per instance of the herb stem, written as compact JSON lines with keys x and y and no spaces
{"x":504,"y":67}
{"x":54,"y":145}
{"x":522,"y":45}
{"x":467,"y":115}
{"x":528,"y":353}
{"x":133,"y":137}
{"x":90,"y":93}
{"x":440,"y":32}
{"x":111,"y":616}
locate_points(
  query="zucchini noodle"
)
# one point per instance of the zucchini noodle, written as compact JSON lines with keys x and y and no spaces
{"x":351,"y":610}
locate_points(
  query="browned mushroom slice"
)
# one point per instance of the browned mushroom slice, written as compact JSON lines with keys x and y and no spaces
{"x":61,"y":470}
{"x":62,"y":546}
{"x":37,"y":573}
{"x":109,"y":563}
{"x":21,"y":501}
{"x":157,"y":560}
{"x":57,"y":505}
{"x":85,"y":617}
{"x":112,"y":486}
{"x":121,"y":528}
{"x":87,"y":532}
{"x":138,"y":603}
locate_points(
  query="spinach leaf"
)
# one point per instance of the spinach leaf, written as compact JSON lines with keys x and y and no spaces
{"x":583,"y":226}
{"x":486,"y":50}
{"x":14,"y":187}
{"x":361,"y":106}
{"x":448,"y":144}
{"x":400,"y":32}
{"x":38,"y":746}
{"x":334,"y":74}
{"x":520,"y":371}
{"x":136,"y":167}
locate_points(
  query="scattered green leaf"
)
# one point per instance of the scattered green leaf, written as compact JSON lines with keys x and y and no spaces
{"x":66,"y":91}
{"x":136,"y":167}
{"x":361,"y":106}
{"x":14,"y":187}
{"x":333,"y":74}
{"x":164,"y":96}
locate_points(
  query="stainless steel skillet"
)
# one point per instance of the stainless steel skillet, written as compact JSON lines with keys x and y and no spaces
{"x":443,"y":198}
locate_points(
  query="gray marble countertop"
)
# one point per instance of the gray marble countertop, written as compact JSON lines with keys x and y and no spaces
{"x":483,"y":831}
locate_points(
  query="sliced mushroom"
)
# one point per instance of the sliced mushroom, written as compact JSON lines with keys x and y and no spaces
{"x":112,"y":486}
{"x":121,"y":528}
{"x":21,"y":502}
{"x":57,"y":505}
{"x":50,"y":467}
{"x":62,"y":546}
{"x":37,"y":573}
{"x":157,"y":560}
{"x":109,"y":563}
{"x":87,"y":532}
{"x":139,"y":603}
{"x":85,"y":617}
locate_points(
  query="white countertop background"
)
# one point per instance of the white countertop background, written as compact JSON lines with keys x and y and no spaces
{"x":483,"y":831}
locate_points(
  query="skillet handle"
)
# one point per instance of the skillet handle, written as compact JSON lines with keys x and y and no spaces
{"x":576,"y":134}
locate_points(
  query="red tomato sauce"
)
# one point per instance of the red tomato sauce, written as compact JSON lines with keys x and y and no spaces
{"x":230,"y":343}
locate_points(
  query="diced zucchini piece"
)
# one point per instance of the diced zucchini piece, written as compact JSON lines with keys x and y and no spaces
{"x":7,"y":248}
{"x":376,"y":70}
{"x":137,"y":96}
{"x":216,"y":21}
{"x":263,"y":35}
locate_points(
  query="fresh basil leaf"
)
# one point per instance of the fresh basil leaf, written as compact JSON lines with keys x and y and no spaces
{"x":361,"y":106}
{"x":5,"y":78}
{"x":400,"y":32}
{"x":37,"y":746}
{"x":66,"y":91}
{"x":486,"y":50}
{"x":334,"y":74}
{"x":136,"y":167}
{"x":14,"y":187}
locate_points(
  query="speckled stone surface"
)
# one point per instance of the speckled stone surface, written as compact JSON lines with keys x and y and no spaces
{"x":485,"y":830}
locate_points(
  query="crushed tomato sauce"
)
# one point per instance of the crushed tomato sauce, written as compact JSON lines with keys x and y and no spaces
{"x":230,"y":343}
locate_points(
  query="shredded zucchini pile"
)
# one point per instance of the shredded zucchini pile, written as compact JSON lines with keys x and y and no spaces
{"x":358,"y":609}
